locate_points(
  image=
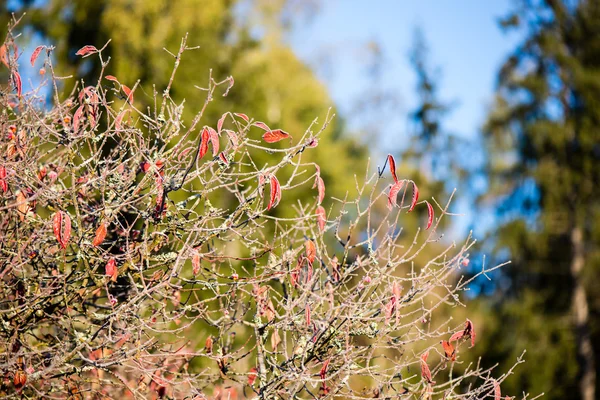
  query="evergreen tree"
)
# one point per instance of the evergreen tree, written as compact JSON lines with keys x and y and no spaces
{"x":543,"y":137}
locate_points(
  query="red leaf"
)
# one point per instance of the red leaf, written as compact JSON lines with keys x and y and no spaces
{"x":119,"y":120}
{"x":252,"y":376}
{"x":214,"y":140}
{"x":223,"y":159}
{"x":307,"y":315}
{"x":497,"y":392}
{"x":77,"y":118}
{"x":100,"y":235}
{"x":111,"y":78}
{"x":323,"y":372}
{"x":85,"y":50}
{"x":321,"y":217}
{"x":394,"y":192}
{"x":449,"y":350}
{"x":221,"y":122}
{"x":262,"y":126}
{"x":196,"y":262}
{"x":36,"y":53}
{"x":242,"y":116}
{"x":128,"y":93}
{"x":111,"y":269}
{"x":415,"y":196}
{"x":310,"y":251}
{"x":321,"y":189}
{"x":429,"y":215}
{"x":275,"y":136}
{"x":275,"y":193}
{"x":17,"y":82}
{"x":425,"y":371}
{"x":62,"y":228}
{"x":392,"y":163}
{"x":456,"y":336}
{"x":204,"y":144}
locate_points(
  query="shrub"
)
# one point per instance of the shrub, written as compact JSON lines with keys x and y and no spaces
{"x":142,"y":256}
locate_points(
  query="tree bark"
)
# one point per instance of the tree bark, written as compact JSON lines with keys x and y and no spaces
{"x":579,"y":304}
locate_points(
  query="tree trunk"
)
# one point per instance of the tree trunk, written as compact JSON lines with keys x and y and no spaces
{"x":579,"y":304}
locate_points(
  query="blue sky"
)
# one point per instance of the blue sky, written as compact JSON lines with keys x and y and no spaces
{"x":464,"y":42}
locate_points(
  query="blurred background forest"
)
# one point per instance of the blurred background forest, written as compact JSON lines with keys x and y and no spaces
{"x":500,"y":100}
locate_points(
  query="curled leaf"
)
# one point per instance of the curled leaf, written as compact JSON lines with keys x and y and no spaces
{"x":17,"y":82}
{"x":394,"y":190}
{"x":128,"y":93}
{"x":497,"y":391}
{"x":242,"y":116}
{"x":36,"y":53}
{"x":470,"y":331}
{"x":275,"y":193}
{"x":62,"y":228}
{"x":415,"y":196}
{"x":310,"y":251}
{"x":110,"y":269}
{"x":204,"y":144}
{"x":252,"y":376}
{"x":85,"y":50}
{"x":223,"y":159}
{"x":425,"y":371}
{"x":392,"y":163}
{"x":221,"y":122}
{"x":100,"y":235}
{"x":275,"y":136}
{"x":449,"y":350}
{"x":214,"y":140}
{"x":321,"y":218}
{"x":320,"y":188}
{"x":429,"y":215}
{"x":262,"y":126}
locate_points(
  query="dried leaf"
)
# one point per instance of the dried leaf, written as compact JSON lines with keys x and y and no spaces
{"x":242,"y":116}
{"x":204,"y":144}
{"x":425,"y":371}
{"x":429,"y":215}
{"x":497,"y":391}
{"x":19,"y":379}
{"x":62,"y":228}
{"x":321,"y":218}
{"x":275,"y":193}
{"x":214,"y":140}
{"x":36,"y":53}
{"x":320,"y":188}
{"x":310,"y":251}
{"x":449,"y":350}
{"x":111,"y":269}
{"x":128,"y":93}
{"x":275,"y":340}
{"x":262,"y":126}
{"x":275,"y":136}
{"x":85,"y":50}
{"x":221,"y":122}
{"x":394,"y":190}
{"x":392,"y":163}
{"x":208,"y":345}
{"x":196,"y":262}
{"x":415,"y":196}
{"x":17,"y":82}
{"x":100,"y":235}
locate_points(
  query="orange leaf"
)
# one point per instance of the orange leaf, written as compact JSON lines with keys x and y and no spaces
{"x":100,"y":235}
{"x":111,"y":78}
{"x":310,"y":251}
{"x":128,"y":93}
{"x":449,"y":350}
{"x":275,"y":136}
